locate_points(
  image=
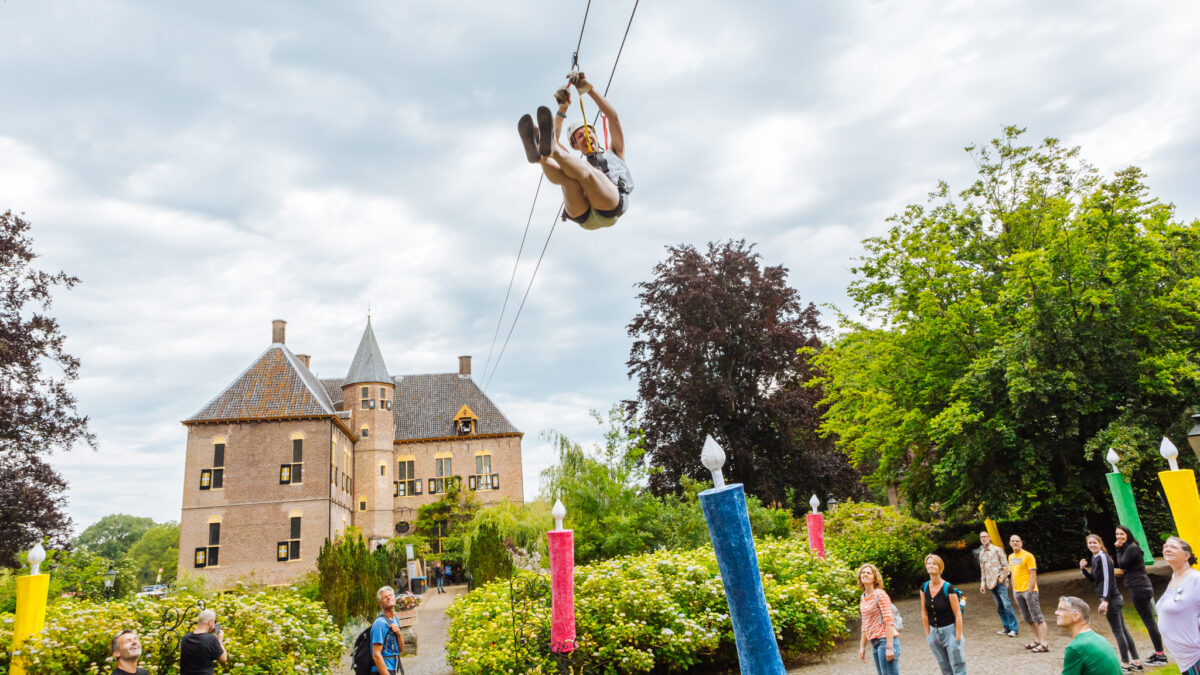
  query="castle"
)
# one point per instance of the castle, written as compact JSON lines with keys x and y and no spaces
{"x":281,"y":460}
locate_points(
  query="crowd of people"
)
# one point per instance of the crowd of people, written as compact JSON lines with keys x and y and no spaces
{"x":1173,"y":622}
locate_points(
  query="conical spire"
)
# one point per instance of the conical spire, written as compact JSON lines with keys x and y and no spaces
{"x":368,"y":365}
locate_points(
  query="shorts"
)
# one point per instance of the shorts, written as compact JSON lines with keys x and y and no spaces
{"x":1030,"y":606}
{"x":595,"y":219}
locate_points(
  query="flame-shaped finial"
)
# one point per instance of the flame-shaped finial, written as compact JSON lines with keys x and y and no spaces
{"x":558,"y":512}
{"x":37,"y":555}
{"x":814,"y":503}
{"x":1170,"y":453}
{"x":713,"y":458}
{"x":1113,"y":458}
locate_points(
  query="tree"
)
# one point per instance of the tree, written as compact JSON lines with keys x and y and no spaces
{"x":721,"y":347}
{"x":113,"y":535}
{"x":37,"y":411}
{"x":158,"y":548}
{"x":1012,"y":335}
{"x":443,"y":523}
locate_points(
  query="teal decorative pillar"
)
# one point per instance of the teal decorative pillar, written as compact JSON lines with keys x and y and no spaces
{"x":1127,"y":511}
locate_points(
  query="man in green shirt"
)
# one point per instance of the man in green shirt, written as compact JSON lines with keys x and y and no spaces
{"x":1088,"y":653}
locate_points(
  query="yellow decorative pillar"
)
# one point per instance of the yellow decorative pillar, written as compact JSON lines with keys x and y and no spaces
{"x":32,"y":591}
{"x":1182,"y":495}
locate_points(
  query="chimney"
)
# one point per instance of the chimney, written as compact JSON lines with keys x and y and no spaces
{"x":277,"y":327}
{"x":304,"y":358}
{"x":464,"y":366}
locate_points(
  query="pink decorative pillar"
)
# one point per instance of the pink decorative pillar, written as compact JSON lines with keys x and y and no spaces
{"x":562,"y":583}
{"x":816,"y":528}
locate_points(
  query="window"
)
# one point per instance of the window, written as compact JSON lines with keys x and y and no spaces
{"x":368,"y":403}
{"x":364,"y":432}
{"x":290,"y":548}
{"x":384,"y":403}
{"x":293,"y":472}
{"x":465,"y":421}
{"x":383,"y":470}
{"x":214,"y":478}
{"x":362,"y":503}
{"x":441,"y":470}
{"x":209,"y":556}
{"x":481,"y":479}
{"x":406,"y":483}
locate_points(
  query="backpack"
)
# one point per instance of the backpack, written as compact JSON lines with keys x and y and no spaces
{"x":962,"y":602}
{"x":362,"y":657}
{"x":897,"y":620}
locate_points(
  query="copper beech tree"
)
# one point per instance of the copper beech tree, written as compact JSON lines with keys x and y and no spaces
{"x":721,"y":347}
{"x":37,"y":411}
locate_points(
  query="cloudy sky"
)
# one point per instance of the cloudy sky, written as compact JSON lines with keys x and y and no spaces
{"x":205,"y":168}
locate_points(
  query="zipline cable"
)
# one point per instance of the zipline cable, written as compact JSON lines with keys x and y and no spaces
{"x":561,"y":204}
{"x":521,"y":248}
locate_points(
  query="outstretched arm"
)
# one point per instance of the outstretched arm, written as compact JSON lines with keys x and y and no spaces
{"x":617,"y":141}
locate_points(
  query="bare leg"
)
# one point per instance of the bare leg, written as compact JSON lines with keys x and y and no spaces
{"x":599,"y":190}
{"x":574,"y":199}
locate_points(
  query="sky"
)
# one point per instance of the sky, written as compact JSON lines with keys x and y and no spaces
{"x":205,"y":168}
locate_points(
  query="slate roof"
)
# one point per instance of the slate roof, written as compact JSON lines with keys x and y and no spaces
{"x":276,"y":384}
{"x":425,"y":406}
{"x":368,"y":365}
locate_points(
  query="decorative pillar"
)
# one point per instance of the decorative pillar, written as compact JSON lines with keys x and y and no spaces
{"x":1127,"y":512}
{"x":1180,"y":486}
{"x":562,"y":583}
{"x":816,"y":528}
{"x":729,"y":528}
{"x":32,"y":591}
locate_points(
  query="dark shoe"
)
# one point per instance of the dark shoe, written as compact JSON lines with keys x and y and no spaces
{"x":529,"y":136}
{"x":546,"y":129}
{"x":1156,"y":660}
{"x":1040,"y":649}
{"x":1131,"y":668}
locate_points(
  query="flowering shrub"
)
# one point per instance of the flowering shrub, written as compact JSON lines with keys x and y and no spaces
{"x":272,"y":632}
{"x":407,"y":601}
{"x":660,"y":612}
{"x":894,"y":542}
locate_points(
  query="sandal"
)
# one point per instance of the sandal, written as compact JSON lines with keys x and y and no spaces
{"x":1040,"y":649}
{"x":1031,"y":645}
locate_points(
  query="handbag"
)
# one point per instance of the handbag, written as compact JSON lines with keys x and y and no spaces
{"x":897,"y":620}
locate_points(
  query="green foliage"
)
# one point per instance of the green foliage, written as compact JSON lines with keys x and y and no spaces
{"x":113,"y":535}
{"x":81,"y":574}
{"x":157,"y":548}
{"x":659,"y":612}
{"x":611,"y":511}
{"x":495,"y":529}
{"x":349,"y":574}
{"x":896,"y":543}
{"x":275,"y":632}
{"x":444,"y":522}
{"x":1012,"y":333}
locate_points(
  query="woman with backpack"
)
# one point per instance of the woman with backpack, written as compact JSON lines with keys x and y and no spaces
{"x":941,"y":615}
{"x":1131,"y":570}
{"x":1100,"y":572}
{"x":880,"y":622}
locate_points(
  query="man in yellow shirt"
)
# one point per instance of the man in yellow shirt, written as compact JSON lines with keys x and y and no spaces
{"x":1025,"y":590}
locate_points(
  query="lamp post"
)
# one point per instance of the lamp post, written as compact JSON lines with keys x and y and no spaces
{"x":1180,"y":488}
{"x":831,"y":504}
{"x":109,"y":577}
{"x":1127,"y":512}
{"x":816,"y":528}
{"x":728,"y":522}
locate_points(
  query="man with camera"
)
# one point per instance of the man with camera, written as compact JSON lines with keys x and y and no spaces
{"x":201,"y":648}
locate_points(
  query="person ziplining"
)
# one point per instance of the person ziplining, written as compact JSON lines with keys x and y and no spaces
{"x":595,"y":186}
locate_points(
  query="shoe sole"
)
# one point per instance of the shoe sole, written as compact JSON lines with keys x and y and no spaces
{"x":528,"y":134}
{"x":545,"y":120}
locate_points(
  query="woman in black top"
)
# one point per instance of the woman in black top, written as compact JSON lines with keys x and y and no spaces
{"x":1131,"y":569}
{"x":1105,"y":581}
{"x":942,"y":618}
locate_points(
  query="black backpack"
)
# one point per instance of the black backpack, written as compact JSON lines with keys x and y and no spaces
{"x":362,"y":659}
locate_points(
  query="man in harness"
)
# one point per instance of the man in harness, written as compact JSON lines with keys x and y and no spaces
{"x":595,"y":186}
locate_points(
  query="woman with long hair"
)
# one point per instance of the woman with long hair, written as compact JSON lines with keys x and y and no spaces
{"x":1179,"y":607}
{"x":1131,"y":570}
{"x":878,"y":622}
{"x":942,"y":618}
{"x":1105,"y":582}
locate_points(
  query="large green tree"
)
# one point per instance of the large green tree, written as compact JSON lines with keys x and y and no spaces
{"x":721,"y":347}
{"x":158,"y":548}
{"x":1007,"y":336}
{"x":113,"y":535}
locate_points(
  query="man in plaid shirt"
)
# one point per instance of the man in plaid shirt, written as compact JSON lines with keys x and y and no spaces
{"x":993,"y":568}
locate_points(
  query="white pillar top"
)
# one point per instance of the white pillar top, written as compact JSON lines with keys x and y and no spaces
{"x":37,"y":555}
{"x":1169,"y":452}
{"x":1113,"y":458}
{"x":713,"y":458}
{"x":814,"y":503}
{"x":558,"y":512}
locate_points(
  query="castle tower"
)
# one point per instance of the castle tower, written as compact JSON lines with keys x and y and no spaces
{"x":368,"y":393}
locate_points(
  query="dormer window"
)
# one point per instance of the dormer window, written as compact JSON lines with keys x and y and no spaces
{"x":465,"y":422}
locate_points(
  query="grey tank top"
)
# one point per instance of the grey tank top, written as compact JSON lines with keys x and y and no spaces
{"x":613,"y":167}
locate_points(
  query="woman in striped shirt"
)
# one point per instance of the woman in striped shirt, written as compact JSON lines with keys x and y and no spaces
{"x":1105,"y":582}
{"x":878,"y":623}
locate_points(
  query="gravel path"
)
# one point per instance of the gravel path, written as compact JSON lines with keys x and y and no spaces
{"x":432,"y":627}
{"x":988,"y":653}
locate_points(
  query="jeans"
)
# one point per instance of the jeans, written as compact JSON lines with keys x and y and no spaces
{"x":879,"y":652}
{"x":440,"y":589}
{"x":1008,"y":618}
{"x":948,"y":650}
{"x":1116,"y":621}
{"x":1143,"y":602}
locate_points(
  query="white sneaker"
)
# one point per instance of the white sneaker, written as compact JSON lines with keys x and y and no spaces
{"x":1012,"y":633}
{"x":1001,"y":632}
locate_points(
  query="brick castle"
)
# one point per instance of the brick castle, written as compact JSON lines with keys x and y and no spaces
{"x":281,"y":459}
